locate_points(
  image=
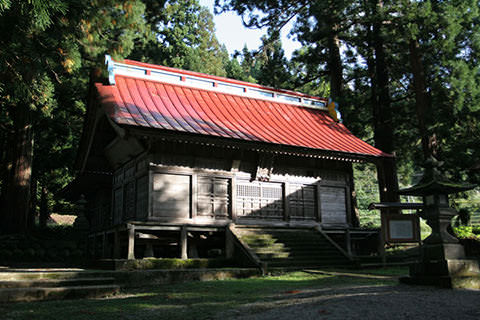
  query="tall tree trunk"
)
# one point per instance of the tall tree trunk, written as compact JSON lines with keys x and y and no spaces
{"x":383,"y":122}
{"x":422,"y":101}
{"x":5,"y":160}
{"x":381,"y":104}
{"x":16,"y":198}
{"x":43,"y":208}
{"x":33,"y":204}
{"x":334,"y":64}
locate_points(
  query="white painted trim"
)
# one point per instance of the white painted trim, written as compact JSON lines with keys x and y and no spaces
{"x":116,"y":68}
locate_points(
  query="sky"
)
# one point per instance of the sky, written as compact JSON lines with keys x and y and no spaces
{"x":231,"y":32}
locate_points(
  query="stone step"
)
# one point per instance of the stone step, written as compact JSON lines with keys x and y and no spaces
{"x":57,"y":293}
{"x":34,"y":274}
{"x":285,"y":242}
{"x":296,"y":253}
{"x":306,"y":263}
{"x":285,"y":247}
{"x":272,"y":241}
{"x":285,"y":235}
{"x":50,"y":283}
{"x":298,"y":256}
{"x":291,"y":247}
{"x":307,"y":258}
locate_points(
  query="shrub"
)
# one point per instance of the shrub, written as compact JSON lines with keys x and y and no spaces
{"x":465,"y":232}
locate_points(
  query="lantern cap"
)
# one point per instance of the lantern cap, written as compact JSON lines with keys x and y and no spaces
{"x":434,"y":182}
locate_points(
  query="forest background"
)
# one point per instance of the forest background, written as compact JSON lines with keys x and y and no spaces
{"x":405,"y":75}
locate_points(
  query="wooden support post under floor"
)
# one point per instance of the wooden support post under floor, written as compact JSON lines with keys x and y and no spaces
{"x":229,"y":245}
{"x":103,"y":254}
{"x":131,"y":243}
{"x":348,"y":242}
{"x":183,"y":243}
{"x":94,"y":246}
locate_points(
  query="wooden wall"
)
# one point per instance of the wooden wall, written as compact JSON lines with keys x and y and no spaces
{"x":186,"y":183}
{"x":130,"y":191}
{"x":98,"y":210}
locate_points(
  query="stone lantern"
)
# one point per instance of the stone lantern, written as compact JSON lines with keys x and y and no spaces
{"x":443,"y":260}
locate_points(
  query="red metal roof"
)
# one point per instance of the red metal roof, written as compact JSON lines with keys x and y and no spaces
{"x":137,"y":101}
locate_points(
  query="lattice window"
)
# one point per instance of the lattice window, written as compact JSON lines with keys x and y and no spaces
{"x":245,"y":190}
{"x":260,"y":199}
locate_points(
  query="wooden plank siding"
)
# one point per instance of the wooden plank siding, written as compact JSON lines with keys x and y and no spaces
{"x":171,"y":195}
{"x":302,"y":201}
{"x":182,"y":186}
{"x":333,"y":200}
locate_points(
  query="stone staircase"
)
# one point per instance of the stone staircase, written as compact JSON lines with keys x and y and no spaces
{"x":34,"y":285}
{"x":290,"y":248}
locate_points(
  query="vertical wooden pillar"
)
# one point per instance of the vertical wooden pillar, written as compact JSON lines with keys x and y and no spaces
{"x":233,"y":197}
{"x":104,"y":245}
{"x":131,"y":242}
{"x":319,"y":201}
{"x":90,"y":246}
{"x":193,"y":195}
{"x":116,"y":245}
{"x":388,"y":188}
{"x":183,"y":243}
{"x":94,"y":246}
{"x":229,"y":246}
{"x":286,"y":204}
{"x":348,"y":241}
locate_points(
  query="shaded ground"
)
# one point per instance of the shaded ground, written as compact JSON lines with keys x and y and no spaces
{"x":366,"y":302}
{"x":314,"y":294}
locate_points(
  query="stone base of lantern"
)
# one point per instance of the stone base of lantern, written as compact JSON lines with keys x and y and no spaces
{"x":446,"y":273}
{"x":442,"y":252}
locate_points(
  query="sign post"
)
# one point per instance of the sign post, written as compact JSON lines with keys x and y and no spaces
{"x":400,"y":228}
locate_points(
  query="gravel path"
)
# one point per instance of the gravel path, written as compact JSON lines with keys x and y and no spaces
{"x":365,"y":302}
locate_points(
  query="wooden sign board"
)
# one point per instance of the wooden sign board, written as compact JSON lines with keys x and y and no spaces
{"x":400,"y":228}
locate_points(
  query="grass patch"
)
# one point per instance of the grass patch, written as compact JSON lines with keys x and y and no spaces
{"x":192,"y":300}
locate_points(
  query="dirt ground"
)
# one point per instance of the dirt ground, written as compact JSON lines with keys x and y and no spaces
{"x":366,"y":302}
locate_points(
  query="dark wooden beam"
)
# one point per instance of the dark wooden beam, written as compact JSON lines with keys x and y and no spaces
{"x":230,"y":143}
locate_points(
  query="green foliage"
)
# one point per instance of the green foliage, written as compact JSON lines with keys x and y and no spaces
{"x":181,"y":34}
{"x":465,"y":232}
{"x":366,"y":188}
{"x":448,"y":33}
